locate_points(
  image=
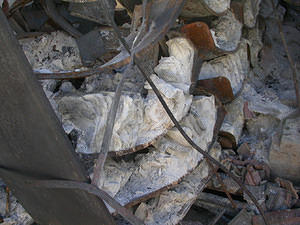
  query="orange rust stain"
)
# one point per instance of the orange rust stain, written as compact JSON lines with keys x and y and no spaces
{"x":199,"y":34}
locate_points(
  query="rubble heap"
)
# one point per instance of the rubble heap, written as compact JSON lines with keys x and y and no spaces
{"x":219,"y":56}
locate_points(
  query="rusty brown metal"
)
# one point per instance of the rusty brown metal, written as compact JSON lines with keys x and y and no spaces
{"x":252,"y":176}
{"x":227,"y":140}
{"x":7,"y":208}
{"x":218,"y":86}
{"x":200,"y":35}
{"x":247,"y":113}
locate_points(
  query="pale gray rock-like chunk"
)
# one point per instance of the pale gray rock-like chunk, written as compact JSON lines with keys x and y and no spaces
{"x":234,"y":120}
{"x":203,"y":8}
{"x":177,"y":68}
{"x":199,"y":124}
{"x":67,"y":87}
{"x":156,"y":120}
{"x":139,"y":120}
{"x":254,"y":38}
{"x":251,"y":10}
{"x":172,"y":157}
{"x":52,"y":52}
{"x":88,"y":114}
{"x":263,"y":105}
{"x":218,"y":6}
{"x":10,"y":2}
{"x":262,"y":128}
{"x":285,"y":161}
{"x":173,"y":81}
{"x":234,"y":66}
{"x":172,"y":205}
{"x":116,"y":175}
{"x":226,"y":32}
{"x":49,"y":87}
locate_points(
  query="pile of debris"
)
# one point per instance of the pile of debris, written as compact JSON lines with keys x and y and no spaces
{"x":224,"y":74}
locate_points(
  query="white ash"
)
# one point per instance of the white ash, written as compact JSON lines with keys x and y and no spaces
{"x":199,"y":124}
{"x":180,"y":62}
{"x":52,"y":52}
{"x":172,"y":205}
{"x":116,"y":175}
{"x":226,"y":32}
{"x":234,"y":66}
{"x":172,"y":157}
{"x":17,"y":214}
{"x":109,"y":82}
{"x":139,"y":120}
{"x":87,"y":114}
{"x":172,"y":81}
{"x":156,"y":121}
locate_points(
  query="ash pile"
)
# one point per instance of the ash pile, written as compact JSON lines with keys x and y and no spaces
{"x":226,"y":76}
